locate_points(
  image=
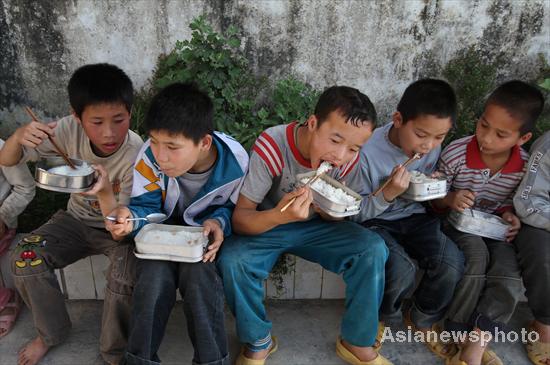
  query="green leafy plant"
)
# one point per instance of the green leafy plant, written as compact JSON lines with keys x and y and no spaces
{"x":472,"y":77}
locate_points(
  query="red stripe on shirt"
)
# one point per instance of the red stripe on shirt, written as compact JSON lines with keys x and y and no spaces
{"x":265,"y":158}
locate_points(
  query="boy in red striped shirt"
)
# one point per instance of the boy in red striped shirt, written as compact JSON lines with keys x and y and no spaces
{"x":483,"y":173}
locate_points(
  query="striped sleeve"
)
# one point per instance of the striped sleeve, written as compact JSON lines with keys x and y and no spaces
{"x":270,"y":153}
{"x":450,"y":160}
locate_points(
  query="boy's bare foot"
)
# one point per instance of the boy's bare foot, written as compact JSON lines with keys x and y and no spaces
{"x":33,"y":352}
{"x":472,"y":352}
{"x":543,"y":331}
{"x":362,"y":353}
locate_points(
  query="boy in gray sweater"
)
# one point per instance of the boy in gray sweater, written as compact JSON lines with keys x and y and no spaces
{"x":424,"y":116}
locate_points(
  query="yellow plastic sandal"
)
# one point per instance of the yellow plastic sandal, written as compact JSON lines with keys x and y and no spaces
{"x":538,"y":352}
{"x":489,"y":358}
{"x":455,"y":360}
{"x":443,"y":350}
{"x":243,"y":360}
{"x":350,"y":358}
{"x":379,"y":334}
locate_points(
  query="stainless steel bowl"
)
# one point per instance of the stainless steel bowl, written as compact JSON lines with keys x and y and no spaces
{"x":61,"y":183}
{"x":333,"y":208}
{"x":427,"y":190}
{"x":185,"y":243}
{"x":479,"y":223}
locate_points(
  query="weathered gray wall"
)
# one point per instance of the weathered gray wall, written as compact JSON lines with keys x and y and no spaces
{"x":378,"y":47}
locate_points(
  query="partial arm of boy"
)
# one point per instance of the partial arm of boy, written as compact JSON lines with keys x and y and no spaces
{"x":532,"y":200}
{"x":22,"y":193}
{"x":248,"y":220}
{"x":458,"y":199}
{"x":371,"y":206}
{"x":103,"y":190}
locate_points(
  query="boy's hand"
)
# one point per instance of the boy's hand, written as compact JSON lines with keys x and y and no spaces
{"x":102,"y":184}
{"x":515,"y":225}
{"x":34,"y":133}
{"x":460,"y":200}
{"x":121,"y":227}
{"x":400,"y":179}
{"x":299,"y":210}
{"x":212,"y":229}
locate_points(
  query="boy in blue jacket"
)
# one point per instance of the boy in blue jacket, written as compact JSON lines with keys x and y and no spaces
{"x":193,"y":175}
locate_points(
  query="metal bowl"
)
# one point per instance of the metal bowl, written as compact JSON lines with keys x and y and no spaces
{"x":479,"y":223}
{"x":171,"y":243}
{"x":335,"y":209}
{"x":61,"y":183}
{"x":426,"y":190}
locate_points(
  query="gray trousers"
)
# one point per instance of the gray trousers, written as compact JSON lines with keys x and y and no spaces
{"x":62,"y":241}
{"x":487,"y":295}
{"x":533,"y":246}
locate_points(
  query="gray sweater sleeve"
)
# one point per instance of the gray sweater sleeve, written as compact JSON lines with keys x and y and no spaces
{"x":532,"y":202}
{"x":21,"y":194}
{"x":371,"y":207}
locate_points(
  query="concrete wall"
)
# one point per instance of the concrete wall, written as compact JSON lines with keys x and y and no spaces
{"x":378,"y":47}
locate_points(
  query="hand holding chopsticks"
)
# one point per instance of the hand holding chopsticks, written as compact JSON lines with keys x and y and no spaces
{"x":323,"y":168}
{"x":308,"y":183}
{"x":416,"y":156}
{"x":57,"y":148}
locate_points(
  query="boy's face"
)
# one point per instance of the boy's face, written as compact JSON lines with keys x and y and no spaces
{"x":106,"y":125}
{"x":497,"y":131}
{"x":175,"y":153}
{"x":336,"y":141}
{"x":421,"y":134}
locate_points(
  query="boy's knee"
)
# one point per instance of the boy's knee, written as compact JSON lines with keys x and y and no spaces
{"x":375,"y":244}
{"x":27,"y":259}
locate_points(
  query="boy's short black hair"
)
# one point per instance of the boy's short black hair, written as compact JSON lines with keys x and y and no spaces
{"x":99,"y":83}
{"x":521,"y":101}
{"x":428,"y":97}
{"x":355,"y":106}
{"x":181,"y":109}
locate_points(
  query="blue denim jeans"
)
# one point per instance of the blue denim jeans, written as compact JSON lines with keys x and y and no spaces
{"x":341,"y":247}
{"x":418,"y":237}
{"x":203,"y":304}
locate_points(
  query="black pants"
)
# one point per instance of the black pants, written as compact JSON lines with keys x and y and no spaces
{"x":533,"y":246}
{"x":203,"y":303}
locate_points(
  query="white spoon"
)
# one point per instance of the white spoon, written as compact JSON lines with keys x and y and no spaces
{"x":151,"y":218}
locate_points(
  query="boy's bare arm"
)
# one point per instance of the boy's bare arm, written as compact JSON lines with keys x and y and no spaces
{"x":247,"y":220}
{"x":103,"y":190}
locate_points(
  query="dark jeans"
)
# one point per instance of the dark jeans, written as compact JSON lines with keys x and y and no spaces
{"x":418,"y":237}
{"x":533,"y":246}
{"x":203,"y":303}
{"x":488,"y":293}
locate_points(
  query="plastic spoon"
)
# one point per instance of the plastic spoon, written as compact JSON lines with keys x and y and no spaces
{"x":151,"y":218}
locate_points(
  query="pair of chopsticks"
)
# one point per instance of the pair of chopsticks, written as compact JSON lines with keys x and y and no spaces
{"x":416,"y":156}
{"x":309,"y":182}
{"x":59,"y":150}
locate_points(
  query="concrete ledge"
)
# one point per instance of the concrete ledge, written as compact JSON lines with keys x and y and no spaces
{"x":85,"y":279}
